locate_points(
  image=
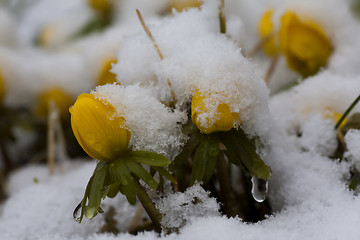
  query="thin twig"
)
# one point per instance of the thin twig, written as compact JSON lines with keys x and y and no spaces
{"x":259,"y":45}
{"x":156,"y":46}
{"x":148,"y":33}
{"x":271,"y":69}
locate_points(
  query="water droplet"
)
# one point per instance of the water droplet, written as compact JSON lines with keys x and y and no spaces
{"x":77,"y":213}
{"x":259,"y":189}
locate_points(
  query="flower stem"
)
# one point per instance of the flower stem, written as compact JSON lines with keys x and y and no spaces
{"x":224,"y":181}
{"x":222,"y":17}
{"x":148,"y":205}
{"x":347,"y":112}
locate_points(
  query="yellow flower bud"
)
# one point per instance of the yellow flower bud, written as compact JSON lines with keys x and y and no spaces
{"x":304,"y":44}
{"x":2,"y":87}
{"x":102,"y":6}
{"x":61,"y":99}
{"x":97,"y":128}
{"x":181,"y":5}
{"x":223,"y":120}
{"x":46,"y":35}
{"x":266,"y":31}
{"x":106,"y":76}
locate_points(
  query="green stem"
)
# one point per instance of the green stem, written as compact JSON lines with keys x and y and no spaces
{"x":224,"y":181}
{"x":148,"y":205}
{"x":222,"y":17}
{"x":347,"y":112}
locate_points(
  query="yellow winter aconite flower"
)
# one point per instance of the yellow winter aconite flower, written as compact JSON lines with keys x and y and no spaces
{"x":266,"y":31}
{"x":335,"y":116}
{"x":97,"y":128}
{"x":304,"y":44}
{"x":181,"y":5}
{"x":2,"y":87}
{"x":106,"y":76}
{"x":61,"y":99}
{"x":223,"y":120}
{"x":102,"y":6}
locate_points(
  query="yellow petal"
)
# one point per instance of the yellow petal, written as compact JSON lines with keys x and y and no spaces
{"x":181,"y":5}
{"x":106,"y":76}
{"x":102,"y":6}
{"x":335,"y":116}
{"x":101,"y":133}
{"x":2,"y":87}
{"x":304,"y":44}
{"x":266,"y":31}
{"x":61,"y":99}
{"x":223,"y":120}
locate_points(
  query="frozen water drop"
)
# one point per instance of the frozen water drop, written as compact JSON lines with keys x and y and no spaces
{"x":77,"y":213}
{"x":259,"y":189}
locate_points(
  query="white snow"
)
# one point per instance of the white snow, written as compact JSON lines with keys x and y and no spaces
{"x":308,"y":190}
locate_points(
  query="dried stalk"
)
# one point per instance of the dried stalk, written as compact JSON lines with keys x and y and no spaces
{"x":156,"y":46}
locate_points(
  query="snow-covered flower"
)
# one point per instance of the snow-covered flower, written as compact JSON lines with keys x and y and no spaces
{"x":223,"y":120}
{"x":98,"y":129}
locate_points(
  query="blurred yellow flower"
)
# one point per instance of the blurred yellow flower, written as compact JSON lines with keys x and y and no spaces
{"x":46,"y":35}
{"x":61,"y":99}
{"x":2,"y":87}
{"x":267,"y":32}
{"x":181,"y":5}
{"x":223,"y":120}
{"x":304,"y":44}
{"x":97,"y":128}
{"x":335,"y":116}
{"x":105,"y":75}
{"x":102,"y":6}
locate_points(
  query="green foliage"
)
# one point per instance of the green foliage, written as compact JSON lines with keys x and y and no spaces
{"x":120,"y":175}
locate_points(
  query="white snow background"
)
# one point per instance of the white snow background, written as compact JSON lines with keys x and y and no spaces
{"x":307,"y":190}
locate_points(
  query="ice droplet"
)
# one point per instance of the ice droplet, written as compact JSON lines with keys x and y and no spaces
{"x":259,"y":189}
{"x":77,"y":213}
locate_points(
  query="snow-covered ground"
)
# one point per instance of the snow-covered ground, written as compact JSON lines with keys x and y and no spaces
{"x":308,"y":190}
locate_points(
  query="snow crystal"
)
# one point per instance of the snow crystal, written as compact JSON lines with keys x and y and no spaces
{"x":352,"y":139}
{"x":153,"y":126}
{"x":179,"y":208}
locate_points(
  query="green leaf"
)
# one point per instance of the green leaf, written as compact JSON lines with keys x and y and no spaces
{"x":163,"y":172}
{"x":205,"y":160}
{"x":140,"y":172}
{"x":127,"y":186}
{"x":189,"y":147}
{"x":112,"y":190}
{"x":95,"y":191}
{"x":148,"y":158}
{"x":239,"y":147}
{"x":83,"y":202}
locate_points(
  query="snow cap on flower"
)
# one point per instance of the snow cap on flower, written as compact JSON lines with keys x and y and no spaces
{"x":98,"y":129}
{"x":222,"y":120}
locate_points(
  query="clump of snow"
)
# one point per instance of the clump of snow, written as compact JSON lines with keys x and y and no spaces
{"x":179,"y":208}
{"x":196,"y":57}
{"x":44,"y":208}
{"x":324,"y":93}
{"x":153,"y":126}
{"x":352,"y":139}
